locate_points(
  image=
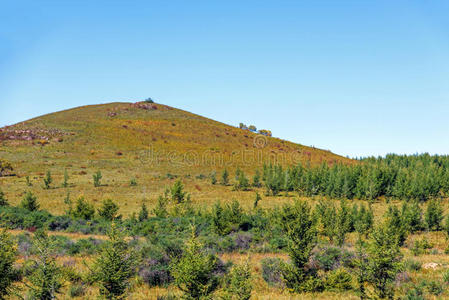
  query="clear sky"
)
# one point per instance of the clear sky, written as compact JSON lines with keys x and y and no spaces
{"x":356,"y":77}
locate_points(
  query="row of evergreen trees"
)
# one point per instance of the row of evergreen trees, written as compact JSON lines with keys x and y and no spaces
{"x":419,"y":177}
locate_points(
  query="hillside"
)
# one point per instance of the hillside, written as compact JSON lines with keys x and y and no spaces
{"x":150,"y":142}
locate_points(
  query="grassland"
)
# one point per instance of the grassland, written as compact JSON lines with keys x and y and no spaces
{"x":126,"y":141}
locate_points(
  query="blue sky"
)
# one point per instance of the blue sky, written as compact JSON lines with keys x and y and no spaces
{"x":356,"y":77}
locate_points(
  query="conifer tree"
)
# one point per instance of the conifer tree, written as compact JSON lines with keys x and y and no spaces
{"x":115,"y":266}
{"x":3,"y":200}
{"x":29,"y":202}
{"x":8,"y":253}
{"x":48,"y":180}
{"x":46,"y":279}
{"x":225,"y":177}
{"x":434,"y":215}
{"x":193,"y":273}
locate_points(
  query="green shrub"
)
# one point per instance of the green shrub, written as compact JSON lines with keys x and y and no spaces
{"x":338,"y":280}
{"x":420,"y":247}
{"x":76,"y":290}
{"x":5,"y":167}
{"x":434,"y":287}
{"x":331,"y":258}
{"x":412,"y":265}
{"x":29,"y":202}
{"x":97,"y":178}
{"x":133,"y":182}
{"x":108,"y":210}
{"x":272,"y":271}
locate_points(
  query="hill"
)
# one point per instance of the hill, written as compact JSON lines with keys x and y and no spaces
{"x":152,"y":143}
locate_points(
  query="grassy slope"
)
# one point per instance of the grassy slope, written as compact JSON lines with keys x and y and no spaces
{"x":125,"y":141}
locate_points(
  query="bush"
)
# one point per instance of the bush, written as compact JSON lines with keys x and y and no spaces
{"x":76,"y":290}
{"x":434,"y":287}
{"x":29,"y":202}
{"x":338,"y":280}
{"x":420,"y":247}
{"x":133,"y":182}
{"x":412,"y":265}
{"x":5,"y":167}
{"x":331,"y":258}
{"x":272,"y":272}
{"x":149,"y":100}
{"x":108,"y":210}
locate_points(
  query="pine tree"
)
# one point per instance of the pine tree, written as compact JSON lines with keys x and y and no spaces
{"x":384,"y":260}
{"x":83,"y":210}
{"x":3,"y":200}
{"x":298,"y":226}
{"x":115,"y":266}
{"x":66,"y":179}
{"x":193,"y":273}
{"x":160,"y":210}
{"x":257,"y":199}
{"x":343,"y":223}
{"x":48,"y":180}
{"x":177,"y":192}
{"x":46,"y":279}
{"x":143,"y":213}
{"x":256,"y":179}
{"x":97,"y":178}
{"x":29,"y":202}
{"x":434,"y":215}
{"x":213,"y":178}
{"x":108,"y":210}
{"x":8,"y":253}
{"x":238,"y":283}
{"x":225,"y":177}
